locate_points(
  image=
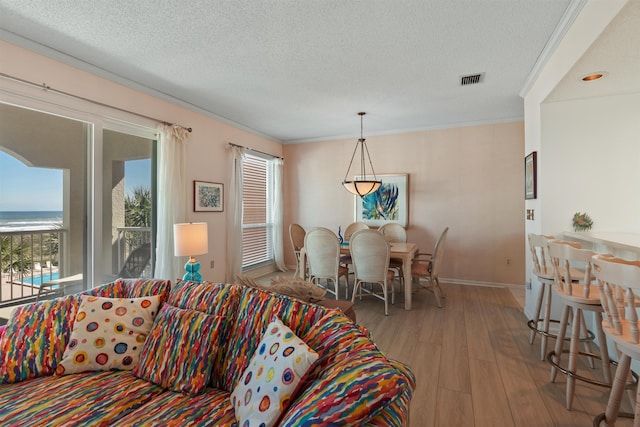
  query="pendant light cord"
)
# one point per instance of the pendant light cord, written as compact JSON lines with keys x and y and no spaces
{"x":363,"y":146}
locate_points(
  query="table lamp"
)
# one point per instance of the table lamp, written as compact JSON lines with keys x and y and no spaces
{"x":191,"y":239}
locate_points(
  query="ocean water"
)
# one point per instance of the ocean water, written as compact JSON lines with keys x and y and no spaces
{"x":29,"y":220}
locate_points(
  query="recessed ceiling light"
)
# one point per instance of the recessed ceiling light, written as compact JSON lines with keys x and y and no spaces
{"x":594,"y":76}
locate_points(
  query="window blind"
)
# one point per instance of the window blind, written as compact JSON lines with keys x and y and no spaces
{"x":256,"y":225}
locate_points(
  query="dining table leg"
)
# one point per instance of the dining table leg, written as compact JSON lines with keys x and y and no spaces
{"x":408,"y":280}
{"x":302,"y":264}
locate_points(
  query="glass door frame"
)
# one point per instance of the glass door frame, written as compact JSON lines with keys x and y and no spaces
{"x":97,"y":118}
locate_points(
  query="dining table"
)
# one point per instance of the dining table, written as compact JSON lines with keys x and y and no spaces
{"x":402,"y":251}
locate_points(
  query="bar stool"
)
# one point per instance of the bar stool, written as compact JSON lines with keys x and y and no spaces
{"x":617,"y":281}
{"x":543,"y":270}
{"x":578,"y":294}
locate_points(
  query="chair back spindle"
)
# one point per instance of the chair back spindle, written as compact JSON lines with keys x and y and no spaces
{"x":572,"y":270}
{"x":617,"y":280}
{"x":540,"y":254}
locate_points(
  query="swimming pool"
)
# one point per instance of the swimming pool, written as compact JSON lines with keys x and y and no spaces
{"x":37,"y":279}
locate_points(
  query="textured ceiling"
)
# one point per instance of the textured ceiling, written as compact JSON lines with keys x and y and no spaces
{"x":616,"y":53}
{"x":300,"y":70}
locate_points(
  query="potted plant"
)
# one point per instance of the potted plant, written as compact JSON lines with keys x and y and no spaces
{"x":582,"y":222}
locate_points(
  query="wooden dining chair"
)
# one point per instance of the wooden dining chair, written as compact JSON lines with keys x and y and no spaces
{"x":395,"y":233}
{"x":618,"y":282}
{"x":322,"y":249}
{"x":352,"y":228}
{"x":426,"y":268}
{"x":577,"y":294}
{"x":296,"y":235}
{"x":345,"y":259}
{"x":370,"y":255}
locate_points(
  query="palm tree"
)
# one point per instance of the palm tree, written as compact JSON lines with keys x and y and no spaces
{"x":137,"y":208}
{"x":16,"y":254}
{"x":137,"y":213}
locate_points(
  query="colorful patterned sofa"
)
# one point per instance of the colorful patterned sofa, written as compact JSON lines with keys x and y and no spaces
{"x":351,"y":382}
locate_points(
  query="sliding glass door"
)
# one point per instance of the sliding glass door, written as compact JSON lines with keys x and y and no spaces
{"x":77,"y":201}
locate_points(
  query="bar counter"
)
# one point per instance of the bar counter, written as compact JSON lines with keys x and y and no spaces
{"x":620,"y":244}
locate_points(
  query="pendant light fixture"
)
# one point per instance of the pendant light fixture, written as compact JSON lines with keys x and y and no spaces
{"x":361,"y":185}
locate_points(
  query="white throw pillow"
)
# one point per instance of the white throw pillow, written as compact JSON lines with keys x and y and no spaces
{"x":269,"y":382}
{"x":108,"y":333}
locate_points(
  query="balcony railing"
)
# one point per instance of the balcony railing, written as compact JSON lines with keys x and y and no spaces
{"x":32,"y":257}
{"x":129,"y":239}
{"x":29,"y":258}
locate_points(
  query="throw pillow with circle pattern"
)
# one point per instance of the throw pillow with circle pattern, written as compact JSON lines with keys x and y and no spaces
{"x":268,"y":384}
{"x":108,"y":333}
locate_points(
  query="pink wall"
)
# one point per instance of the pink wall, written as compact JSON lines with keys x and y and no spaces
{"x":469,"y":179}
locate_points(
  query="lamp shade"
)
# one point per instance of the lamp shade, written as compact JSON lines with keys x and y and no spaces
{"x":362,"y":188}
{"x":190,"y":239}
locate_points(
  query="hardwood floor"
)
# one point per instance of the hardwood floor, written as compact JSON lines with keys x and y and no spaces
{"x":473,"y":362}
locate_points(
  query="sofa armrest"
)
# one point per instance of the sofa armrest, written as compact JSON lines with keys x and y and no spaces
{"x":396,"y":413}
{"x":354,"y":391}
{"x":352,"y":382}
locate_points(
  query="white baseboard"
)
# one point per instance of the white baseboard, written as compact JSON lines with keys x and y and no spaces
{"x":477,"y":283}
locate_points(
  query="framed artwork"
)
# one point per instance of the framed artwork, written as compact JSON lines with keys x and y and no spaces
{"x":208,"y":196}
{"x":530,"y":176}
{"x":388,"y":204}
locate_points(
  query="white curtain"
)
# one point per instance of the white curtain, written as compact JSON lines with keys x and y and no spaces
{"x":276,"y":166}
{"x":234,"y":215}
{"x":172,"y":198}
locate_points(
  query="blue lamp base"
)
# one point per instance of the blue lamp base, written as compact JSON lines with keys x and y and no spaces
{"x":192,"y":266}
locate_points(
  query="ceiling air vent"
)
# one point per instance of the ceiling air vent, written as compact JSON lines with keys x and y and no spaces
{"x":471,"y":79}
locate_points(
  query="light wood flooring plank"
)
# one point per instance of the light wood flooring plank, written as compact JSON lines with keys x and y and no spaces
{"x":453,"y":409}
{"x":477,"y":329}
{"x":490,"y":402}
{"x":454,"y":368}
{"x":432,"y":320}
{"x":425,"y":365}
{"x":525,"y":402}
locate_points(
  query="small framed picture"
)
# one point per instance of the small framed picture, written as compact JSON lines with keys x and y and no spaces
{"x":530,"y":176}
{"x":208,"y":196}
